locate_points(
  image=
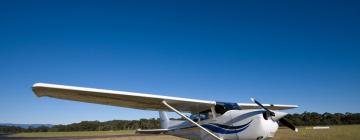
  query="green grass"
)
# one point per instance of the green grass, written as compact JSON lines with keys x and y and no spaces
{"x":343,"y":132}
{"x":72,"y":134}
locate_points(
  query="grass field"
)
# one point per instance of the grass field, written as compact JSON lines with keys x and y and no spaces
{"x":345,"y":132}
{"x":72,"y":134}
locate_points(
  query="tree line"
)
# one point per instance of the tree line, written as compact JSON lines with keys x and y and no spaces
{"x":304,"y":119}
{"x":88,"y":126}
{"x":313,"y":118}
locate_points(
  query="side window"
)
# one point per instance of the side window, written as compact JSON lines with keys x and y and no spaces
{"x":202,"y":116}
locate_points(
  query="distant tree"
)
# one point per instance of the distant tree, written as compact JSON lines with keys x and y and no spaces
{"x":326,"y":118}
{"x":306,"y":118}
{"x":11,"y":129}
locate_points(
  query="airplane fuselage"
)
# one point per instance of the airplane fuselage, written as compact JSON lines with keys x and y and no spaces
{"x":232,"y":125}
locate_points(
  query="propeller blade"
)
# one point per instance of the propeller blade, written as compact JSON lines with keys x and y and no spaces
{"x":288,"y":124}
{"x":282,"y":120}
{"x":259,"y":104}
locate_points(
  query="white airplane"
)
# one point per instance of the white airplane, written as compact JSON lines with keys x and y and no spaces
{"x":209,"y":119}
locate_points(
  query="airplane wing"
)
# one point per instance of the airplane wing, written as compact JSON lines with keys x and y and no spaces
{"x":269,"y":106}
{"x":120,"y":98}
{"x":133,"y":100}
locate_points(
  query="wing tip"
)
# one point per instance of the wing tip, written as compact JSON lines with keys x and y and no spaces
{"x":36,"y":87}
{"x":39,"y":85}
{"x":293,"y":106}
{"x":286,"y":107}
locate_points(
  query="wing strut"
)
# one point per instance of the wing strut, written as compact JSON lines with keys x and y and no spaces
{"x":191,"y":121}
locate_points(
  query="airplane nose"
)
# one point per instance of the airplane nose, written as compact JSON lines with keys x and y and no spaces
{"x":278,"y":115}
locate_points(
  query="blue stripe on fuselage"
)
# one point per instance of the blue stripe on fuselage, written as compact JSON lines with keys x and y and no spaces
{"x":223,"y":129}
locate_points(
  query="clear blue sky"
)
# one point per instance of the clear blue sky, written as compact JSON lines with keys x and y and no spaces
{"x":298,"y":52}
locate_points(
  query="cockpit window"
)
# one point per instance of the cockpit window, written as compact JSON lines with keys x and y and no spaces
{"x":222,"y":107}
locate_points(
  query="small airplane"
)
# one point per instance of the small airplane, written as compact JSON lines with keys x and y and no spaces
{"x":208,"y":120}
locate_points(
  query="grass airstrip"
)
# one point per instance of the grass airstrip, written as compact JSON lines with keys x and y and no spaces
{"x":342,"y":132}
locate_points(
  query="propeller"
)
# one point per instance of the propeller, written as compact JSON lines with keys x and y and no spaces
{"x":288,"y":124}
{"x":270,"y":113}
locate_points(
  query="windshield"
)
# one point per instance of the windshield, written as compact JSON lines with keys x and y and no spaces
{"x":222,"y":107}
